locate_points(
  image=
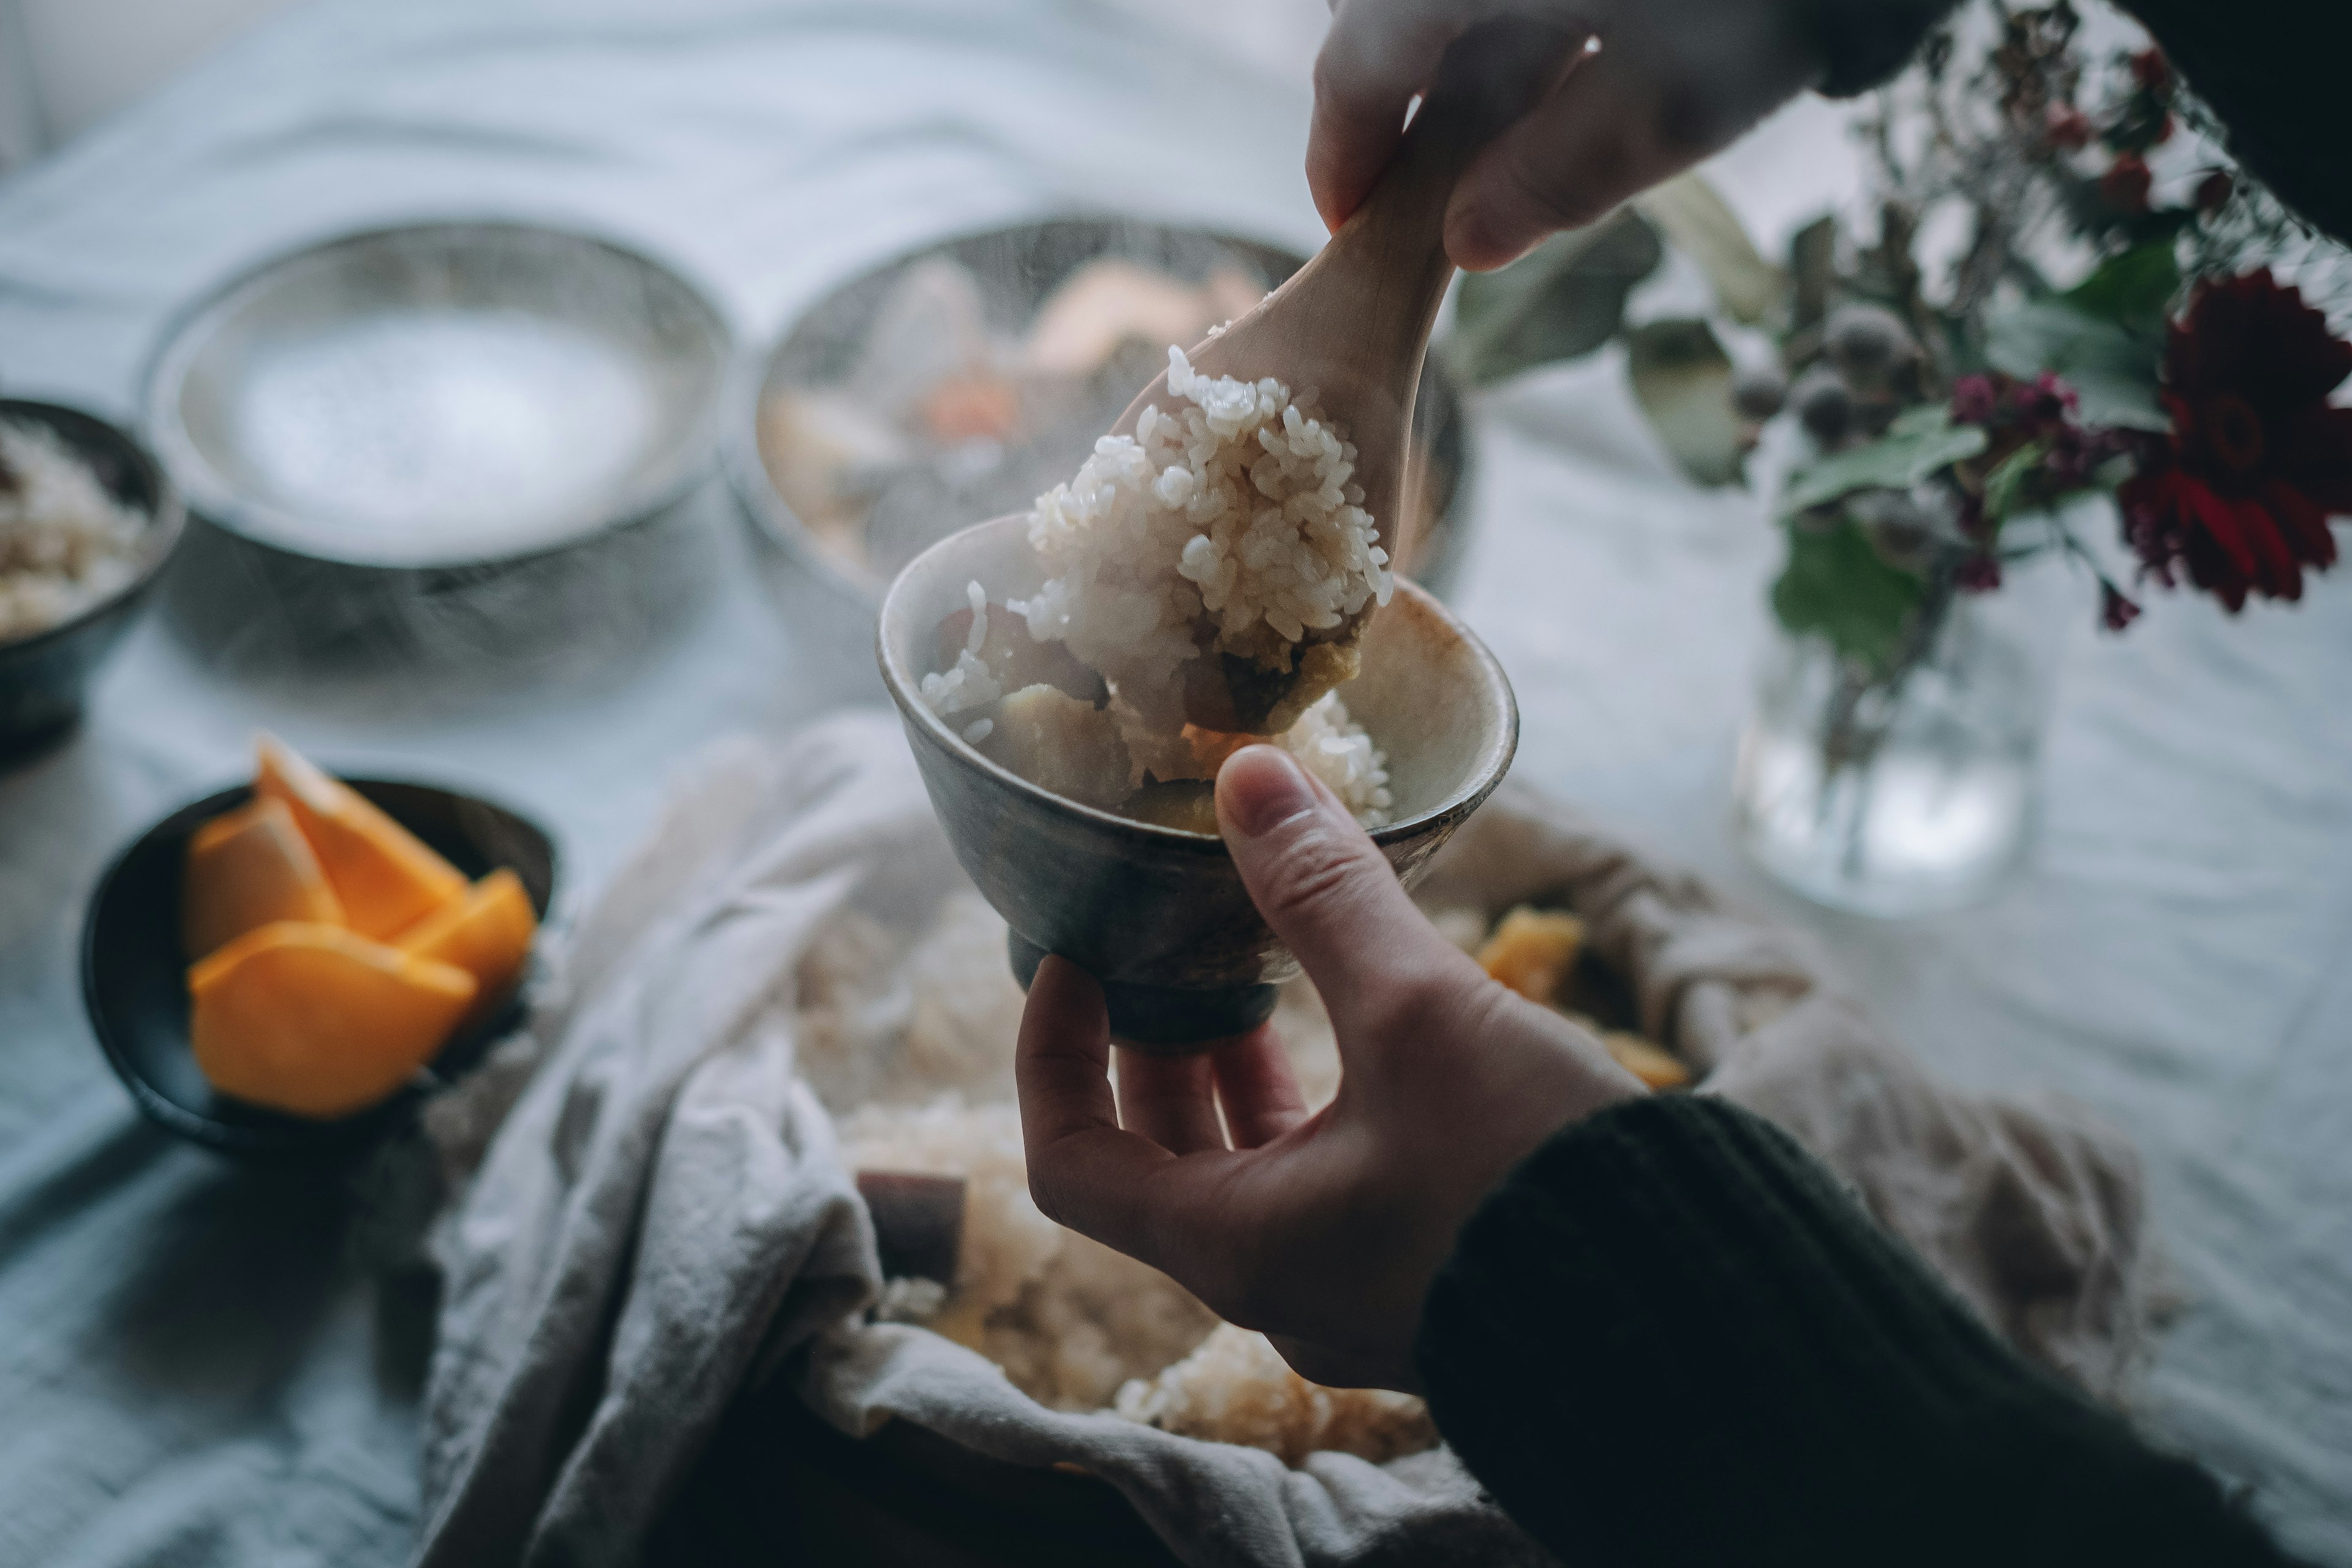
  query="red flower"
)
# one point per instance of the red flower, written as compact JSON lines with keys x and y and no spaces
{"x":2067,"y":127}
{"x":2126,"y":184}
{"x":2257,"y":462}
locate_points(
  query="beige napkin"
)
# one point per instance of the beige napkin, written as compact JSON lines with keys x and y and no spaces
{"x":659,"y":1215}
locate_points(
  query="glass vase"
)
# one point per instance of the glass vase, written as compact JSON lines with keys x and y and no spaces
{"x":1911,"y":790}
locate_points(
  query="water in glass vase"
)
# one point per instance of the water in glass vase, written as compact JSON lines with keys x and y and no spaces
{"x":1896,"y":796}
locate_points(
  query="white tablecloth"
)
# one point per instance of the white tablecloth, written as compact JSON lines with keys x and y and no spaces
{"x":191,"y":1369}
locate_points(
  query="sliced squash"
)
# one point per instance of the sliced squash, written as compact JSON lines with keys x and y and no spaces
{"x":319,"y":1020}
{"x":1646,"y":1060}
{"x":488,"y":933}
{"x":1533,"y":952}
{"x":246,"y":868}
{"x":386,"y":876}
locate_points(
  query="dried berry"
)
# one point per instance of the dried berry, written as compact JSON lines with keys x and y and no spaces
{"x":2067,"y":128}
{"x":1824,"y":403}
{"x":1904,"y":533}
{"x":2126,"y":184}
{"x":1863,"y":340}
{"x":1758,"y":391}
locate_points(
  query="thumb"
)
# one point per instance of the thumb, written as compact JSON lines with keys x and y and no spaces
{"x":1321,"y":883}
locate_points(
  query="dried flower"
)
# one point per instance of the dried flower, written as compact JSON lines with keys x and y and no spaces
{"x":2067,"y":128}
{"x":2214,"y":191}
{"x":2115,"y":612}
{"x":2124,"y":185}
{"x":1977,"y":574}
{"x":2241,"y":492}
{"x":2149,"y":69}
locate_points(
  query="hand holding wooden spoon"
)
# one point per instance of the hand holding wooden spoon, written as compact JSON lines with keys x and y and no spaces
{"x":1353,"y":325}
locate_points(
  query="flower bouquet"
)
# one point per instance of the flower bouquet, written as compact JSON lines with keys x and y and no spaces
{"x":2073,"y":312}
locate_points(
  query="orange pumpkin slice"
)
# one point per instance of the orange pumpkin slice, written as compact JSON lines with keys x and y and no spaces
{"x":488,"y":933}
{"x":386,"y":878}
{"x":246,"y":868}
{"x":317,"y":1020}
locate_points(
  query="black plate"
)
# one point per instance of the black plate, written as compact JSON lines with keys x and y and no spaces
{"x":134,"y":974}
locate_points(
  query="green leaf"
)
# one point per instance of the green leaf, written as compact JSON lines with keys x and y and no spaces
{"x":1920,"y":443}
{"x":1921,"y":419}
{"x":1559,"y":302}
{"x":2008,"y":477}
{"x":1681,"y":378}
{"x":1836,"y":588}
{"x":1697,"y":222}
{"x":1813,"y":268}
{"x":2112,"y":370}
{"x":2133,"y":288}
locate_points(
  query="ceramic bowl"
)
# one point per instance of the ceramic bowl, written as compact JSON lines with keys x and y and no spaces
{"x":438,"y":433}
{"x":1158,"y":914}
{"x":1018,"y":269}
{"x":43,"y":677}
{"x":134,"y":972}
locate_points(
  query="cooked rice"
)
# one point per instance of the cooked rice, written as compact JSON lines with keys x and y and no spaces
{"x":1067,"y":1319}
{"x":1236,"y":511}
{"x":1325,"y":738}
{"x":65,"y":544}
{"x":968,"y":683}
{"x":1235,"y":1388}
{"x":1231,"y":523}
{"x":1336,"y":750}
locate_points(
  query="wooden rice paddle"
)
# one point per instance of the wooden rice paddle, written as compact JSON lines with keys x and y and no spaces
{"x":1353,"y":325}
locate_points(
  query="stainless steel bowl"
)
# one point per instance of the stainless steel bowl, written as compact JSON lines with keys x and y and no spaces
{"x":1018,"y":270}
{"x":395,"y":418}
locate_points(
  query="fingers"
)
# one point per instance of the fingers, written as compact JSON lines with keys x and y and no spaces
{"x":1256,"y":1088}
{"x":1571,"y":160}
{"x":1377,"y":56}
{"x":1082,"y":1170}
{"x":1169,"y":1099}
{"x":1323,"y":886}
{"x":1663,"y":92}
{"x":1061,"y":1061}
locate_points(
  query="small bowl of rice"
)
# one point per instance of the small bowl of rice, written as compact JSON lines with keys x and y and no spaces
{"x":1414,"y":740}
{"x":87,"y":520}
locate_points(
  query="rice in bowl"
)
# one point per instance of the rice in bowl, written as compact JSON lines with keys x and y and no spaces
{"x":1218,"y":559}
{"x":65,"y":544}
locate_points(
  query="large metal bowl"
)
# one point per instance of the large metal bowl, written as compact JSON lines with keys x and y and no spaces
{"x":388,"y":418}
{"x":1018,"y":270}
{"x":43,"y":677}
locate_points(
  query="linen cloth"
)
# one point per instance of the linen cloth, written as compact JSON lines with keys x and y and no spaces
{"x":662,"y":1214}
{"x":195,"y":1368}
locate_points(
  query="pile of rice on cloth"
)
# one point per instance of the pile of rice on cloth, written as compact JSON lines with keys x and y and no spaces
{"x":651,"y":1213}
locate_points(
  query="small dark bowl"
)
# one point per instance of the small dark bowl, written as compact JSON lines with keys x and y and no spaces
{"x":44,"y":677}
{"x":134,"y":974}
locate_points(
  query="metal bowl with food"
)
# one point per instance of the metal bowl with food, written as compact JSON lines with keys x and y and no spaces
{"x":87,"y":520}
{"x":962,"y":380}
{"x":408,"y":412}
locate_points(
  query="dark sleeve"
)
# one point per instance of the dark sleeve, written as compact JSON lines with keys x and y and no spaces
{"x":2271,"y":69}
{"x":1671,"y":1338}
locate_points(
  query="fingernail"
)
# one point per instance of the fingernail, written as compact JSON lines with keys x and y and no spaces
{"x":1262,"y":787}
{"x":1476,"y":246}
